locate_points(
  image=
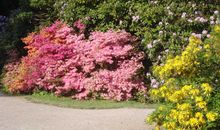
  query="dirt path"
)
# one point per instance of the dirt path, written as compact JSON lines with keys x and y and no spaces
{"x":16,"y":113}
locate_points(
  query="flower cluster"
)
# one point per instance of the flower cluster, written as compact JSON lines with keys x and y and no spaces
{"x":63,"y":62}
{"x":189,"y":107}
{"x":190,"y":87}
{"x":185,"y":64}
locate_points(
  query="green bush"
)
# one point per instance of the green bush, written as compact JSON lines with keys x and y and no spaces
{"x":162,"y":26}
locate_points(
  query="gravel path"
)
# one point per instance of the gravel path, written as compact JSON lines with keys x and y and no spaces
{"x":16,"y":113}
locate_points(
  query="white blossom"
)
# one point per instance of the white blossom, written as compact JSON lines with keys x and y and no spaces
{"x":160,"y":32}
{"x":198,"y":36}
{"x":149,"y":46}
{"x":135,"y":18}
{"x":153,"y":81}
{"x":183,"y":15}
{"x":212,"y":18}
{"x":204,"y":32}
{"x":193,"y":5}
{"x":197,"y":18}
{"x":190,"y":20}
{"x":203,"y":20}
{"x":212,"y":22}
{"x":193,"y":34}
{"x":120,"y":22}
{"x":148,"y":74}
{"x":170,"y":13}
{"x":154,"y":41}
{"x":159,"y":57}
{"x":155,"y":85}
{"x":216,"y":12}
{"x":208,"y":35}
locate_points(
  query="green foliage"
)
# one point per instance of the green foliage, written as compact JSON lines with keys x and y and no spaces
{"x":44,"y":12}
{"x":162,"y":26}
{"x":214,"y":103}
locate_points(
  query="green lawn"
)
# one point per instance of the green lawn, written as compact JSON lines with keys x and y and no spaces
{"x":51,"y":99}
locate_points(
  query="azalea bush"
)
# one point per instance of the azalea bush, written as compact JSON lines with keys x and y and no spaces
{"x":61,"y":60}
{"x":190,"y":87}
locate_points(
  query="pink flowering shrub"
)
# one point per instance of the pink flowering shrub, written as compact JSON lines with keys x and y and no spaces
{"x":103,"y":66}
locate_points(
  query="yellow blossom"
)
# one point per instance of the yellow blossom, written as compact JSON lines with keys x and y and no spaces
{"x":194,"y":122}
{"x":184,"y":64}
{"x":206,"y":88}
{"x":211,"y":116}
{"x":217,"y":29}
{"x":200,"y":117}
{"x":194,"y":92}
{"x":154,"y":92}
{"x":198,"y":99}
{"x":183,"y":116}
{"x":161,"y":108}
{"x":173,"y":114}
{"x":149,"y":119}
{"x":187,"y":87}
{"x":176,"y":96}
{"x":170,"y":125}
{"x":201,"y":104}
{"x":157,"y":127}
{"x":184,"y":106}
{"x":207,"y":46}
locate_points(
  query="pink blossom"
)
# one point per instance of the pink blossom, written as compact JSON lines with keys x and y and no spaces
{"x":78,"y":24}
{"x":104,"y":65}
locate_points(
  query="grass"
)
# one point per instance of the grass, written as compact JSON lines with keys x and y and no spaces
{"x":51,"y":99}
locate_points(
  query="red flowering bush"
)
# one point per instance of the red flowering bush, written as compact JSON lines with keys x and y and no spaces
{"x":103,"y":66}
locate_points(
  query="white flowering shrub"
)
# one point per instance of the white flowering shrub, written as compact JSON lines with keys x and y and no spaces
{"x":163,"y":27}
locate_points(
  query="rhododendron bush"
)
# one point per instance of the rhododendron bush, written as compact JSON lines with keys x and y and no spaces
{"x":62,"y":61}
{"x":190,"y":89}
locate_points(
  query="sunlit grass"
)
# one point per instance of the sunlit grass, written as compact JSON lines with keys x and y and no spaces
{"x":51,"y":99}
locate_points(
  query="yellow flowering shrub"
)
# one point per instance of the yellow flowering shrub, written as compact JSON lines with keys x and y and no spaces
{"x":190,"y":83}
{"x":189,"y":111}
{"x":189,"y":107}
{"x":185,"y":64}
